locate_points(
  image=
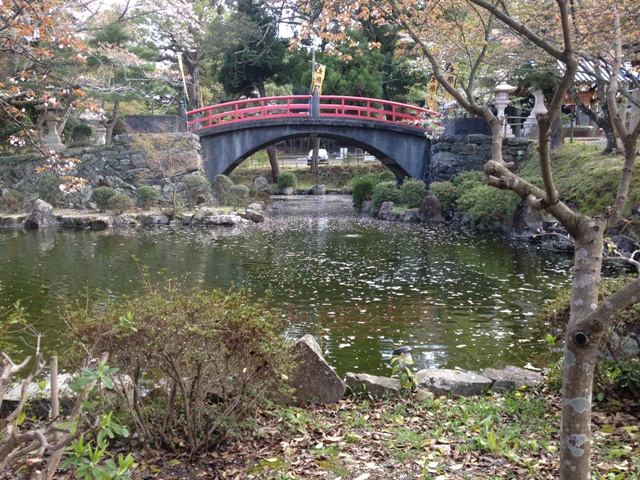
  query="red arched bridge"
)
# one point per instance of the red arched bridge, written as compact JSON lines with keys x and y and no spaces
{"x":397,"y":134}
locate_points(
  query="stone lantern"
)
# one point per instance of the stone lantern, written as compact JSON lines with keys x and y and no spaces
{"x":501,"y":101}
{"x":52,"y":140}
{"x":530,"y":127}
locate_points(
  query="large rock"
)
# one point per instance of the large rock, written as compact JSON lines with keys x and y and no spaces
{"x":510,"y":378}
{"x":379,"y":387}
{"x":313,"y":380}
{"x":386,"y":212}
{"x":430,"y":210}
{"x":452,"y":382}
{"x":149,"y":220}
{"x":260,"y":184}
{"x":253,"y":215}
{"x":318,"y":190}
{"x":41,"y":216}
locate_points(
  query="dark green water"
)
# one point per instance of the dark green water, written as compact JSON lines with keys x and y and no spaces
{"x":360,"y":286}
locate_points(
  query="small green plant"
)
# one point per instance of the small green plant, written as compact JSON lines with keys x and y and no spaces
{"x":148,"y":196}
{"x":384,"y":192}
{"x":101,"y":196}
{"x":197,"y":189}
{"x":11,"y":201}
{"x":362,"y":189}
{"x":239,"y":196}
{"x":486,"y":203}
{"x":119,"y":204}
{"x":222,"y":188}
{"x":401,"y":367}
{"x":412,"y":192}
{"x":287,"y":180}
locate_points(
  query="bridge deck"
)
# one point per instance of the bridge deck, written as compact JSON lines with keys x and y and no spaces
{"x":329,"y":106}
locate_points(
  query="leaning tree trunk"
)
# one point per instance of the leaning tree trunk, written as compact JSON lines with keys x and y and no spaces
{"x":114,"y":120}
{"x":271,"y":149}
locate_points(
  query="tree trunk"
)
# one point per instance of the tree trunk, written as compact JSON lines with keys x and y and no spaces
{"x":581,"y":351}
{"x":271,"y":149}
{"x":114,"y":120}
{"x":557,"y":132}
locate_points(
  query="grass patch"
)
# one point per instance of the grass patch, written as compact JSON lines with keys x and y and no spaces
{"x":585,"y":178}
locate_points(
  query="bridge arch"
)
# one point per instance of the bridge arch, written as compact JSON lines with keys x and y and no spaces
{"x":403,"y":149}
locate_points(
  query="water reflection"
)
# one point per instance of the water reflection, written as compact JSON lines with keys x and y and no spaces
{"x":360,"y":286}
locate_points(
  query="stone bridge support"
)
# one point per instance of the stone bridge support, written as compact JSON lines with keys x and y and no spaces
{"x":404,"y":150}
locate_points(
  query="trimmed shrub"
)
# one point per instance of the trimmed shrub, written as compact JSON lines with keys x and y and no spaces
{"x":362,"y":189}
{"x":119,"y":204}
{"x":216,"y":358}
{"x":222,"y":188}
{"x":48,"y":188}
{"x":412,"y":192}
{"x":446,"y":194}
{"x":287,"y":180}
{"x":101,"y":196}
{"x":384,"y":192}
{"x":148,"y":196}
{"x":197,"y":188}
{"x":483,"y":202}
{"x":239,"y":196}
{"x":11,"y":201}
{"x":467,"y":180}
{"x":385,"y":175}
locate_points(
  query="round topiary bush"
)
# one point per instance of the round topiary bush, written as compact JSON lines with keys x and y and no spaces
{"x":101,"y":196}
{"x":222,"y":187}
{"x":287,"y":180}
{"x":119,"y":204}
{"x":485,"y":203}
{"x":11,"y":201}
{"x":196,"y":187}
{"x":384,"y":192}
{"x":239,"y":196}
{"x":362,"y":189}
{"x":446,"y":194}
{"x":148,"y":196}
{"x":412,"y":192}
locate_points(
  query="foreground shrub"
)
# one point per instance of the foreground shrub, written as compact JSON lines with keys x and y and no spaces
{"x":384,"y":192}
{"x":287,"y":180}
{"x":101,"y":196}
{"x":222,"y":187}
{"x":362,"y":189}
{"x":208,"y":358}
{"x":197,"y":190}
{"x":617,"y":371}
{"x":11,"y":201}
{"x":48,"y":188}
{"x":239,"y":196}
{"x":467,"y":180}
{"x":446,"y":194}
{"x":412,"y":192}
{"x":119,"y":204}
{"x":148,"y":196}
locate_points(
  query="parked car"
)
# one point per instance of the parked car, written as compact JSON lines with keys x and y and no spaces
{"x":323,"y":156}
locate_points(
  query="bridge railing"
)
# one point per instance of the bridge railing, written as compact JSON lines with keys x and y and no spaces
{"x":295,"y":105}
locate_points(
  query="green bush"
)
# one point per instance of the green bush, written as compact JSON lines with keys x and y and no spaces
{"x":446,"y":194}
{"x":412,"y":192}
{"x":385,"y":175}
{"x":148,"y":196}
{"x":48,"y":188}
{"x":362,"y":189}
{"x":222,"y":188}
{"x":239,"y":196}
{"x":384,"y":192}
{"x":101,"y":196}
{"x":119,"y":204}
{"x":215,"y":358}
{"x":11,"y":201}
{"x":467,"y":180}
{"x":197,"y":189}
{"x":287,"y":180}
{"x":484,"y":202}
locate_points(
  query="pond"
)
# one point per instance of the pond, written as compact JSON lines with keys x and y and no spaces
{"x":361,"y":287}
